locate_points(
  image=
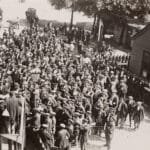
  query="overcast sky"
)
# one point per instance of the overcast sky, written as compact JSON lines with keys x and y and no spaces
{"x":13,"y":9}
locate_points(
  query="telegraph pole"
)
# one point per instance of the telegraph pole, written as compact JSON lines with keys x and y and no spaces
{"x":100,"y":26}
{"x":72,"y":14}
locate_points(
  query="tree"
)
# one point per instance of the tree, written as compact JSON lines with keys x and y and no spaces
{"x":32,"y":17}
{"x":86,"y":6}
{"x":119,"y":11}
{"x":125,"y":8}
{"x":22,"y":1}
{"x":58,"y":4}
{"x":1,"y":14}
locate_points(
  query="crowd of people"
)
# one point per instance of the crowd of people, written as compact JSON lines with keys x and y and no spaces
{"x":66,"y":88}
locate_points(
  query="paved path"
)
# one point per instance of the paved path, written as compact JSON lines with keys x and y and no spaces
{"x":126,"y":139}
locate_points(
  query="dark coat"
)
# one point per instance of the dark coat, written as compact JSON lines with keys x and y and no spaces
{"x":83,"y":133}
{"x":138,"y":115}
{"x":46,"y":138}
{"x":122,"y":109}
{"x":13,"y":109}
{"x":62,"y":140}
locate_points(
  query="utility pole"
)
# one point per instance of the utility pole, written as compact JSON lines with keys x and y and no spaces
{"x":72,"y":14}
{"x":100,"y":26}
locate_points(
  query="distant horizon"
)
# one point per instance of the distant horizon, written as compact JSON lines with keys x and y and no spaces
{"x":13,"y":9}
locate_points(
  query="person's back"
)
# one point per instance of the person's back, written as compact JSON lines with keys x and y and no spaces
{"x":122,"y":111}
{"x":138,"y":115}
{"x":109,"y":129}
{"x":83,"y":137}
{"x":63,"y":139}
{"x":122,"y":108}
{"x":4,"y":118}
{"x":12,"y":107}
{"x":45,"y":137}
{"x":131,"y":106}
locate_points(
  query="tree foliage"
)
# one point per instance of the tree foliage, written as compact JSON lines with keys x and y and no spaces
{"x":1,"y":14}
{"x":31,"y":16}
{"x":125,"y":8}
{"x":86,"y":6}
{"x":58,"y":4}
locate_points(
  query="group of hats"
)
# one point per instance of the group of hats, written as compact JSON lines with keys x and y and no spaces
{"x":79,"y":113}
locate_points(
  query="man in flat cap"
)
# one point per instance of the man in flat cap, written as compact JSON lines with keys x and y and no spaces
{"x":138,"y":115}
{"x":110,"y":127}
{"x":131,"y":107}
{"x":121,"y":112}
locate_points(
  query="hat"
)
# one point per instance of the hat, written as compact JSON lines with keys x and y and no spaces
{"x":5,"y":113}
{"x":85,"y":120}
{"x":59,"y":107}
{"x":9,"y":72}
{"x":89,"y":112}
{"x":131,"y":97}
{"x":101,"y":76}
{"x":105,"y":91}
{"x":112,"y":72}
{"x":2,"y":101}
{"x":139,"y":103}
{"x":53,"y":91}
{"x":70,"y":120}
{"x":62,"y":125}
{"x":114,"y":91}
{"x":44,"y":125}
{"x":52,"y":113}
{"x":46,"y":114}
{"x":77,"y":114}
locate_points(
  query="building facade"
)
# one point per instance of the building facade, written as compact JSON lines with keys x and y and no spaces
{"x":140,"y":55}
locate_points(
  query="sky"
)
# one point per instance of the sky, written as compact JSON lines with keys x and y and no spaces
{"x":13,"y":9}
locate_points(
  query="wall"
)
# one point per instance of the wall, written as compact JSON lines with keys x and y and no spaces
{"x":140,"y":44}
